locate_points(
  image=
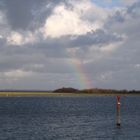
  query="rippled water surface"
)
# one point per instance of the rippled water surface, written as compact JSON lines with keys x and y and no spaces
{"x":68,"y":118}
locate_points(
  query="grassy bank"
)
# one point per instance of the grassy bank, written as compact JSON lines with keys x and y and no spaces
{"x":39,"y":94}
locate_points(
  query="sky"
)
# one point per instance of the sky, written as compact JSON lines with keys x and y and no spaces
{"x":49,"y":44}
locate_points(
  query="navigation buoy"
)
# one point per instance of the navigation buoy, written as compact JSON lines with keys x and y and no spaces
{"x":118,"y":123}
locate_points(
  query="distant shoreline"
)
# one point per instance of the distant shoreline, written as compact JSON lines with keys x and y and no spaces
{"x":51,"y":94}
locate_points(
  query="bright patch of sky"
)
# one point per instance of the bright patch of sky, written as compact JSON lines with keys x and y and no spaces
{"x":109,"y":3}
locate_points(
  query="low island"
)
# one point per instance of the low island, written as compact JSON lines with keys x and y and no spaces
{"x":68,"y":92}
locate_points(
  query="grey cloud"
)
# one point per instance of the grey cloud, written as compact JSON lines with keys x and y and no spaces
{"x":2,"y":42}
{"x":38,"y":81}
{"x":23,"y":14}
{"x":134,"y":10}
{"x":129,"y":27}
{"x":52,"y":53}
{"x":118,"y":17}
{"x":119,"y":70}
{"x":97,"y":37}
{"x":45,"y":59}
{"x":124,"y":79}
{"x":49,"y":62}
{"x":19,"y":13}
{"x":121,"y":15}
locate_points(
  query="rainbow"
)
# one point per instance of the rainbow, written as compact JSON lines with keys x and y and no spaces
{"x":81,"y":76}
{"x":84,"y":80}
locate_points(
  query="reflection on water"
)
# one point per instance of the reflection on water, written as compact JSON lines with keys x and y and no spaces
{"x":68,"y":118}
{"x":118,"y":133}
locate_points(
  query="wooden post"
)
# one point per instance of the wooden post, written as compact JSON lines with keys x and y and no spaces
{"x":118,"y":121}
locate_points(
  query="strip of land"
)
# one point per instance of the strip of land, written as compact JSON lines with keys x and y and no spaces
{"x":65,"y":92}
{"x":50,"y":94}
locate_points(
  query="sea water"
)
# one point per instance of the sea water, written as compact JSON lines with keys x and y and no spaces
{"x":69,"y":118}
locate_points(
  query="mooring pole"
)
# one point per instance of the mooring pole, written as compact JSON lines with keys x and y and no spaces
{"x":118,"y":122}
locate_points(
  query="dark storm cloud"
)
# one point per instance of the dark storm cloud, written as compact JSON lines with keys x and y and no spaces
{"x":22,"y":13}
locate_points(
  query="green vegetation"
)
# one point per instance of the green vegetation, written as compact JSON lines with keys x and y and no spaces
{"x":95,"y":91}
{"x":69,"y":92}
{"x":42,"y":94}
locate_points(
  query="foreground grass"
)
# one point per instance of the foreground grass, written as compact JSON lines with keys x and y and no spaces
{"x":39,"y":94}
